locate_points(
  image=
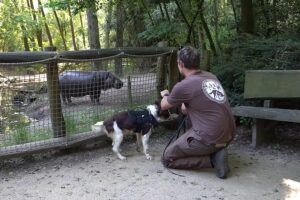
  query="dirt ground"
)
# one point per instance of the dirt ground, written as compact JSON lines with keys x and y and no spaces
{"x":268,"y":172}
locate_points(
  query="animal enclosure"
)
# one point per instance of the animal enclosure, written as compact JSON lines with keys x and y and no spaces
{"x":50,"y":100}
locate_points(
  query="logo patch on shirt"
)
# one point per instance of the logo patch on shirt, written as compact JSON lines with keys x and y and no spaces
{"x":213,"y":90}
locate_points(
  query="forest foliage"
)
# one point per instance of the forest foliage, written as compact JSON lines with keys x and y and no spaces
{"x":232,"y":35}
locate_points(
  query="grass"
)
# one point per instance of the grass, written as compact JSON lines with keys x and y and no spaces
{"x":23,"y":135}
{"x":78,"y":122}
{"x":74,"y":124}
{"x":83,"y":121}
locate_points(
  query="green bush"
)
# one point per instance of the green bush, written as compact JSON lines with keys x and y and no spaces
{"x":252,"y":53}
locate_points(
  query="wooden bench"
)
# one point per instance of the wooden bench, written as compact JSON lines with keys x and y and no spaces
{"x":269,"y":86}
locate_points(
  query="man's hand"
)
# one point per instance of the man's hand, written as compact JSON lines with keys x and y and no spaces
{"x":164,"y":92}
{"x":184,"y":109}
{"x":164,"y":103}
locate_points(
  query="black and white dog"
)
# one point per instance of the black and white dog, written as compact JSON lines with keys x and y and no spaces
{"x":138,"y":122}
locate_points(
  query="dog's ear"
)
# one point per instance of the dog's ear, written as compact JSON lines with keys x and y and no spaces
{"x":162,"y":113}
{"x":157,"y":102}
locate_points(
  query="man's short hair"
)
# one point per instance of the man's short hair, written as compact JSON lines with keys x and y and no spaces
{"x":190,"y":57}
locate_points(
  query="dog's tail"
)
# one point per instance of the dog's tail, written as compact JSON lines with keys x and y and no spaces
{"x":99,"y":127}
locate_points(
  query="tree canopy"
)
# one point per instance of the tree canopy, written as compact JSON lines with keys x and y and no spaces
{"x":232,"y":35}
{"x":208,"y":24}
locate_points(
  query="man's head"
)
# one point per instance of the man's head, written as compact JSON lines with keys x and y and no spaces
{"x":189,"y":57}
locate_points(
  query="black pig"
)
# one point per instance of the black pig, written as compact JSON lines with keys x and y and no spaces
{"x":81,"y":83}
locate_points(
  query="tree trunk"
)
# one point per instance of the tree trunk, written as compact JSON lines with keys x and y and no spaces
{"x":60,"y":30}
{"x":161,"y":11}
{"x":182,"y":14}
{"x":166,"y":10}
{"x":235,"y":16}
{"x":138,"y":26}
{"x":208,"y":34}
{"x":38,"y":30}
{"x":93,"y":29}
{"x":93,"y":33}
{"x":82,"y":31}
{"x":247,"y":17}
{"x":24,"y":31}
{"x":108,"y":23}
{"x":275,"y":28}
{"x":216,"y":25}
{"x":136,"y":13}
{"x":46,"y":25}
{"x":202,"y":39}
{"x":72,"y":29}
{"x":266,"y":13}
{"x":205,"y":55}
{"x":148,"y":13}
{"x":120,"y":18}
{"x":191,"y":28}
{"x":25,"y":40}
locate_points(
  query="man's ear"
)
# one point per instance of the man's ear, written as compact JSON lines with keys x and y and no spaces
{"x":181,"y":65}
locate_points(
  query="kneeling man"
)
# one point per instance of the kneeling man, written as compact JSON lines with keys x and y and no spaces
{"x":203,"y":99}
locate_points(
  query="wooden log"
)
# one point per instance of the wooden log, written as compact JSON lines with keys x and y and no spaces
{"x":17,"y":57}
{"x":100,"y":53}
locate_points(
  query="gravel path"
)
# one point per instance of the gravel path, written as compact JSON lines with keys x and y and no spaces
{"x":94,"y":172}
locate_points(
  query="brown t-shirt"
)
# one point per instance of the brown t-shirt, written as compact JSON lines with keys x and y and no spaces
{"x":207,"y":106}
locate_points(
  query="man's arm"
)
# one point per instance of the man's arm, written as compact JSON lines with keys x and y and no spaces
{"x":164,"y":102}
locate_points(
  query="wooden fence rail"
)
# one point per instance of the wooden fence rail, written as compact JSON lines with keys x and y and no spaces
{"x":16,"y":57}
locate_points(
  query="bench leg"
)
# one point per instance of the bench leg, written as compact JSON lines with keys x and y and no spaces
{"x":262,"y":131}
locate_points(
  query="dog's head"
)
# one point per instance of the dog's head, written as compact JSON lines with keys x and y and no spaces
{"x":157,"y":112}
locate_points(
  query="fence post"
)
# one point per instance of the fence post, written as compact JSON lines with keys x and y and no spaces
{"x":57,"y":119}
{"x":129,"y":92}
{"x":174,"y":72}
{"x":161,"y":75}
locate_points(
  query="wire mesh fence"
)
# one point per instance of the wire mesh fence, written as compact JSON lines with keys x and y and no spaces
{"x":31,"y":99}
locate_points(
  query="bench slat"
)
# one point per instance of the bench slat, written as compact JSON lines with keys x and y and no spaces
{"x":276,"y":114}
{"x":271,"y":84}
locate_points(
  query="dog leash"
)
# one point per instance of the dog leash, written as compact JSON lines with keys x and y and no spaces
{"x":176,"y":135}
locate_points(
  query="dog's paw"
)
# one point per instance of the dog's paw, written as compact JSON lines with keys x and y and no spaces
{"x":148,"y":157}
{"x":122,"y":157}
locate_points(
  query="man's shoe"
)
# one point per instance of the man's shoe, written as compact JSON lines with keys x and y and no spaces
{"x":219,"y":161}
